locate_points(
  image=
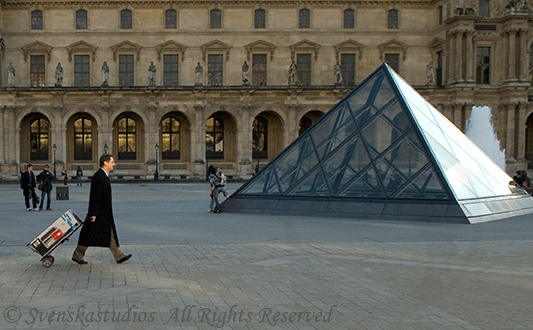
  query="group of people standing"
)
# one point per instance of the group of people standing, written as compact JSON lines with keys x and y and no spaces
{"x":217,"y":181}
{"x":28,"y":183}
{"x":522,"y":180}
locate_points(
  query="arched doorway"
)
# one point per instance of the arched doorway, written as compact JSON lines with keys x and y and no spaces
{"x":308,"y":119}
{"x":82,"y":141}
{"x":128,"y":137}
{"x":267,"y":137}
{"x":35,"y":137}
{"x":174,"y":138}
{"x":221,"y":142}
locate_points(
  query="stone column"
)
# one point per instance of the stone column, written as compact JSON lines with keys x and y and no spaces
{"x":521,"y":132}
{"x":510,"y":139}
{"x":458,"y":115}
{"x":12,"y":141}
{"x":198,"y":144}
{"x":244,"y":142}
{"x":2,"y":144}
{"x":459,"y":57}
{"x":452,"y":58}
{"x":469,"y":56}
{"x":512,"y":55}
{"x":524,"y":67}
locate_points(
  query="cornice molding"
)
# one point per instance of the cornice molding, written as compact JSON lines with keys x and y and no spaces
{"x":81,"y":46}
{"x":170,"y":45}
{"x":215,"y":45}
{"x":37,"y":47}
{"x":393,"y":45}
{"x":304,"y":45}
{"x":260,"y":45}
{"x":127,"y":46}
{"x":108,"y":3}
{"x":349,"y":45}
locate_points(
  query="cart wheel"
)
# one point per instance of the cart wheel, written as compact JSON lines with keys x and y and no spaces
{"x":47,"y":261}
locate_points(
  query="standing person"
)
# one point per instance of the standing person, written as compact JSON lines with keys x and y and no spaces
{"x":214,"y":182}
{"x":64,"y":177}
{"x":79,"y":175}
{"x":45,"y":178}
{"x":99,"y":226}
{"x":27,"y":183}
{"x":223,"y":180}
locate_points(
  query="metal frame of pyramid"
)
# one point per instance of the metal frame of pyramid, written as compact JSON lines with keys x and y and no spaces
{"x":383,"y":152}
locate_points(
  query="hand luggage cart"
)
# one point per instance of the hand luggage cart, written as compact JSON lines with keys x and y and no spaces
{"x":54,"y":235}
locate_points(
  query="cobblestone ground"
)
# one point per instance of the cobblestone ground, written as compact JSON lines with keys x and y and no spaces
{"x":300,"y":274}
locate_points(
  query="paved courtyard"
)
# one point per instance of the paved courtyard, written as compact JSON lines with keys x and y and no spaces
{"x":196,"y":270}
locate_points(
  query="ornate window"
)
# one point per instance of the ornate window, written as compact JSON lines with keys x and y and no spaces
{"x":484,"y":9}
{"x":127,"y":130}
{"x":170,"y":138}
{"x":392,"y":21}
{"x":304,"y":19}
{"x":36,"y":20}
{"x":214,"y":69}
{"x":214,"y":138}
{"x":348,"y":69}
{"x":259,"y":69}
{"x":260,"y":138}
{"x":349,"y":19}
{"x":83,"y":139}
{"x":216,"y":19}
{"x":438,"y":70}
{"x":170,"y":70}
{"x":483,"y":65}
{"x":81,"y":20}
{"x":125,"y":70}
{"x":39,"y":139}
{"x":126,"y":19}
{"x":393,"y":60}
{"x":37,"y":78}
{"x":260,"y":19}
{"x":171,"y":21}
{"x":304,"y":69}
{"x":81,"y":70}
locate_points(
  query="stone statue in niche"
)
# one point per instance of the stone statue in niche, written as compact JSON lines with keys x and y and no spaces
{"x":105,"y":75}
{"x":151,"y":74}
{"x":198,"y":75}
{"x":10,"y":75}
{"x":245,"y":74}
{"x":59,"y":75}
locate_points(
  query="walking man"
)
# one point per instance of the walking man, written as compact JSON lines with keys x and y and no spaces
{"x":27,"y":183}
{"x":99,"y":226}
{"x":45,"y":178}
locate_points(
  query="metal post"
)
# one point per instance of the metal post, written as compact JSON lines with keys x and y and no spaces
{"x":54,"y":148}
{"x":156,"y":175}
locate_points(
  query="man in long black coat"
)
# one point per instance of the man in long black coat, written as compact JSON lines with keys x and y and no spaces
{"x":99,"y":226}
{"x":27,"y":183}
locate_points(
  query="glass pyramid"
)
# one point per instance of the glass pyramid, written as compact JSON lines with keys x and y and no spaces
{"x":385,"y":143}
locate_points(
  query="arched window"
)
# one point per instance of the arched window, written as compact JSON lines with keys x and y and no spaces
{"x":260,"y":138}
{"x":171,"y":21}
{"x":304,"y":19}
{"x":216,"y":19}
{"x":83,"y":139}
{"x":260,"y":19}
{"x":39,"y":139}
{"x":214,"y":138}
{"x":349,"y":19}
{"x":170,"y":138}
{"x":392,"y":22}
{"x":127,"y":138}
{"x":36,"y":20}
{"x":81,"y":19}
{"x":126,"y":19}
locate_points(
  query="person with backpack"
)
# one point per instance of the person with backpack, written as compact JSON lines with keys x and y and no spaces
{"x":45,"y":179}
{"x":27,"y":184}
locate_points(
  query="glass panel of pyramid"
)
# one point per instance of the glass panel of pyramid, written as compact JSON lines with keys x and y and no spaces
{"x":383,"y":141}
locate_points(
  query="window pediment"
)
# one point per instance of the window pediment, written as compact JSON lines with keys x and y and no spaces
{"x":260,"y":46}
{"x":37,"y":47}
{"x":81,"y":47}
{"x":305,"y":45}
{"x":170,"y":45}
{"x":393,"y":46}
{"x":127,"y":46}
{"x":349,"y":45}
{"x":215,"y":45}
{"x":436,"y":43}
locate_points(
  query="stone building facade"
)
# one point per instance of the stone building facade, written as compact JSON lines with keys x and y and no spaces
{"x":174,"y":86}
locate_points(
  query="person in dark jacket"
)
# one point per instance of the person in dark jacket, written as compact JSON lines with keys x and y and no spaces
{"x":99,"y":226}
{"x":79,"y":176}
{"x":27,"y":183}
{"x":45,"y":178}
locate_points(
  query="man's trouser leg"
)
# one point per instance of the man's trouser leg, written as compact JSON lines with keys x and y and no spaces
{"x":79,"y":253}
{"x":117,"y":254}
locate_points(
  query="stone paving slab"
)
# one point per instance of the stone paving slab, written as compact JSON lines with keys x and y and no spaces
{"x":387,"y":276}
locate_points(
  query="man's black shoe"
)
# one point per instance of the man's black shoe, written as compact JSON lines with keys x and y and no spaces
{"x":81,"y":262}
{"x":124,"y":259}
